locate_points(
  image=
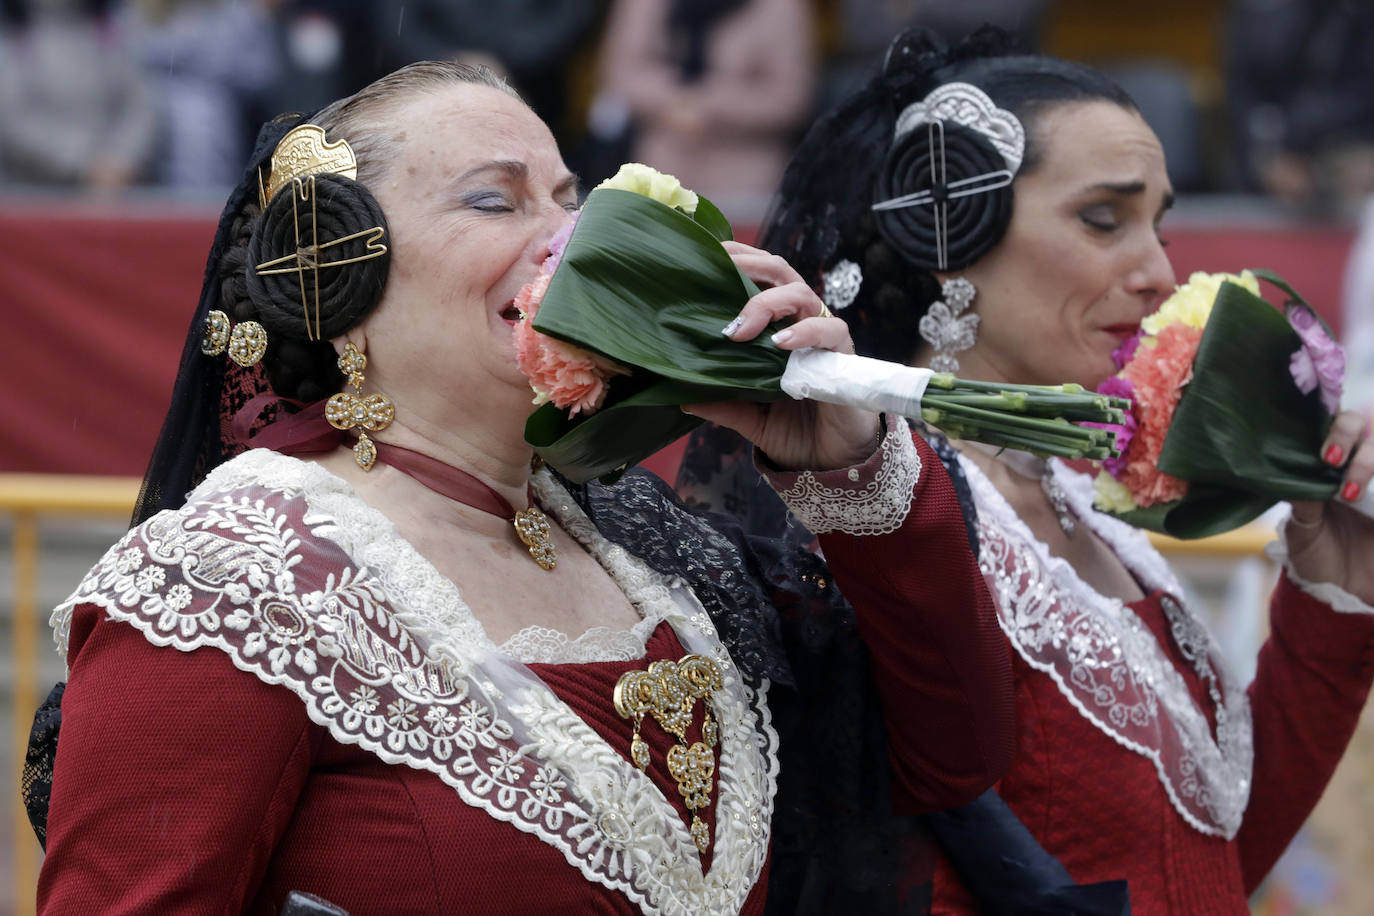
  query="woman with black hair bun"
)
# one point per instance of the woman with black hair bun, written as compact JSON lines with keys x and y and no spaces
{"x":1000,"y":213}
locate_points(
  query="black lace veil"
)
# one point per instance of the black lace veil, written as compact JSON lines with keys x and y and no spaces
{"x":191,"y":440}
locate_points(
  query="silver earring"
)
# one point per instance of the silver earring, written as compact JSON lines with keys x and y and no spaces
{"x":946,"y":328}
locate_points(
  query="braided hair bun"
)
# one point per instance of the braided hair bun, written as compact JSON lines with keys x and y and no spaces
{"x":302,"y":227}
{"x":973,"y":223}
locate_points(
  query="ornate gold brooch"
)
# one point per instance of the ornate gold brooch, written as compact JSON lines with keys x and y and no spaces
{"x":669,"y":690}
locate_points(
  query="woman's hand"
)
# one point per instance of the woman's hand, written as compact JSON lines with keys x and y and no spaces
{"x":793,"y":434}
{"x":1330,"y":542}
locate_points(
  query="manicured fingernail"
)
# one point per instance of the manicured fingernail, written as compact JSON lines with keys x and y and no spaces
{"x":1350,"y":492}
{"x":1334,"y":454}
{"x":782,"y":337}
{"x":732,"y":327}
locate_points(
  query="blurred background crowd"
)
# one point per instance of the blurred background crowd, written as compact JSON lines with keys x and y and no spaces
{"x":1252,"y":96}
{"x":1265,"y":109}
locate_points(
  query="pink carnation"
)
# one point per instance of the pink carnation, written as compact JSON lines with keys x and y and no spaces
{"x":1159,"y":374}
{"x":568,"y":376}
{"x":1320,"y":361}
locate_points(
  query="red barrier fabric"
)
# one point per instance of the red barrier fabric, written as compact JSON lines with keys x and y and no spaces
{"x":96,"y":303}
{"x":96,"y":310}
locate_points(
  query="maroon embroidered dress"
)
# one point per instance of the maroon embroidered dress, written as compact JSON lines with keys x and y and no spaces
{"x":271,"y":691}
{"x":1137,"y":755}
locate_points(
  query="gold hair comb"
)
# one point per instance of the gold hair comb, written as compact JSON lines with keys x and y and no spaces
{"x":302,"y":152}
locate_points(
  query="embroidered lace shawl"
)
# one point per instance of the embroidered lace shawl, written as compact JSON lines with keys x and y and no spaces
{"x":1108,"y":664}
{"x":280,"y":565}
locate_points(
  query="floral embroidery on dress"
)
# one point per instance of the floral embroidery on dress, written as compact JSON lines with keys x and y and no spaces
{"x":304,"y":585}
{"x":877,"y":506}
{"x":1108,"y":664}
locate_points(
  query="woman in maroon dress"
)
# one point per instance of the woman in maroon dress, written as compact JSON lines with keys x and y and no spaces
{"x":1038,"y":184}
{"x":312,"y":672}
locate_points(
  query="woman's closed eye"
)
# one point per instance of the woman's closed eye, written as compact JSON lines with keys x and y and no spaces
{"x":1101,"y":219}
{"x":490,"y":202}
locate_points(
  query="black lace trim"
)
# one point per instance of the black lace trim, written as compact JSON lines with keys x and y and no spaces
{"x":35,"y":779}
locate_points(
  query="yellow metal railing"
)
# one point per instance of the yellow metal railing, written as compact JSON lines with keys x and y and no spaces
{"x":1243,"y":542}
{"x":26,"y":498}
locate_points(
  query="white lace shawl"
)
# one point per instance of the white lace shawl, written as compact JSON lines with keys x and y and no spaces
{"x":386,"y":655}
{"x":1108,"y":664}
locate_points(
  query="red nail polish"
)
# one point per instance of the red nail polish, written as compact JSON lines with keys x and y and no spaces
{"x":1334,"y":454}
{"x":1350,"y":492}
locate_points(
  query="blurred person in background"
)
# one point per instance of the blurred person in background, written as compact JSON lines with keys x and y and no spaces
{"x":531,"y":43}
{"x":713,"y":91}
{"x":865,"y":29}
{"x":75,"y":110}
{"x":327,"y":48}
{"x":1299,"y":79}
{"x":206,"y":59}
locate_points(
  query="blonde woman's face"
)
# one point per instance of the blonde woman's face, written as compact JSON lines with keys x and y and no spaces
{"x":1082,"y":262}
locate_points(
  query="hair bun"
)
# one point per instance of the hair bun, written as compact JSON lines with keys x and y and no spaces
{"x":347,"y":292}
{"x":973,"y":223}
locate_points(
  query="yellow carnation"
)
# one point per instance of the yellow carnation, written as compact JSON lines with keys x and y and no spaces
{"x":639,"y":178}
{"x":1111,"y":494}
{"x":1191,"y":303}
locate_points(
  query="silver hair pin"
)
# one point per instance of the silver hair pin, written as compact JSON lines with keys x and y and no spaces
{"x":841,"y":285}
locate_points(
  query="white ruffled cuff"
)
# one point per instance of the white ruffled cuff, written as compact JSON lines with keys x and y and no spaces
{"x":872,"y":498}
{"x":1326,"y":592}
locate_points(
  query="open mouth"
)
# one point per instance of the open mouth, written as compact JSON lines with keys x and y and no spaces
{"x":509,"y":313}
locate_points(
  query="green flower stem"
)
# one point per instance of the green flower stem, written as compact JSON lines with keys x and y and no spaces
{"x":1070,"y":407}
{"x":991,"y":419}
{"x":1035,"y":445}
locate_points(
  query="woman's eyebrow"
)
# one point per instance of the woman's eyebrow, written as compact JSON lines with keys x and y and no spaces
{"x":1129,"y":189}
{"x":513,"y":169}
{"x":1124,"y":188}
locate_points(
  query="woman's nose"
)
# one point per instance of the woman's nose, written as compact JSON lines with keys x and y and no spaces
{"x":556,"y":219}
{"x":1154,"y":275}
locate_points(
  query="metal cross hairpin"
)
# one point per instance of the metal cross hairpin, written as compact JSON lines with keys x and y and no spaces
{"x":942,"y":191}
{"x":311,"y":257}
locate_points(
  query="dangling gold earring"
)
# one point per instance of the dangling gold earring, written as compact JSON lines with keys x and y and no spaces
{"x":349,"y":411}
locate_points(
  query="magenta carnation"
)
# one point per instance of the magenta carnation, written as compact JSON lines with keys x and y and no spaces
{"x":1320,"y":361}
{"x":1124,"y":353}
{"x":1118,"y":387}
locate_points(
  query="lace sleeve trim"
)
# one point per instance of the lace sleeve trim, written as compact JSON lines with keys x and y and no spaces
{"x":1328,"y":593}
{"x":869,"y":499}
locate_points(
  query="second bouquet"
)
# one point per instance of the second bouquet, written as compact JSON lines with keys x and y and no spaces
{"x":623,"y":327}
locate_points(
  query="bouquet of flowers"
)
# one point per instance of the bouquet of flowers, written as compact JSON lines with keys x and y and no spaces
{"x":623,"y":326}
{"x":1231,"y":400}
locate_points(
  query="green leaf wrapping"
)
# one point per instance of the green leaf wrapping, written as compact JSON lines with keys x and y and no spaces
{"x":1243,"y":436}
{"x":649,"y":287}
